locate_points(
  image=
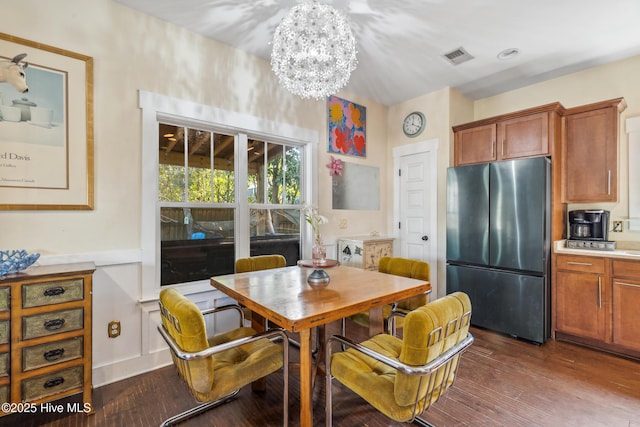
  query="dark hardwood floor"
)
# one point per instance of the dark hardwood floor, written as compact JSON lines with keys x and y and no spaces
{"x":501,"y":382}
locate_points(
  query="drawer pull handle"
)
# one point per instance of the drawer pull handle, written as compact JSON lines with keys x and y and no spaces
{"x":52,"y":325}
{"x":53,"y":382}
{"x":599,"y":291}
{"x":52,"y":355}
{"x":579,"y":263}
{"x":52,"y":292}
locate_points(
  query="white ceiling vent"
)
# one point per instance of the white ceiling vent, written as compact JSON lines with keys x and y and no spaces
{"x":458,"y":56}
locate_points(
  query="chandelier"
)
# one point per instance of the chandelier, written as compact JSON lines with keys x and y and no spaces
{"x":314,"y":50}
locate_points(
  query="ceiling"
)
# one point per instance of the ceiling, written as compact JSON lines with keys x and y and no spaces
{"x":401,"y":43}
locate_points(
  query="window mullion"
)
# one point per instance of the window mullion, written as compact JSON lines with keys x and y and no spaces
{"x":185,"y":190}
{"x":242,"y":201}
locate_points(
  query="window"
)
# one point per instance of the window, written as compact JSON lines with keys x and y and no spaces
{"x":204,"y":204}
{"x":197,"y":201}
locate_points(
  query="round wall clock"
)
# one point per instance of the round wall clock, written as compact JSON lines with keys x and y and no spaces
{"x":414,"y":124}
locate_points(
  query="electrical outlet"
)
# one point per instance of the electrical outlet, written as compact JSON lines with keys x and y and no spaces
{"x":617,"y":226}
{"x":114,"y":329}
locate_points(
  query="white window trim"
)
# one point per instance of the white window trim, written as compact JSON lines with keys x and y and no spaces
{"x":154,"y":107}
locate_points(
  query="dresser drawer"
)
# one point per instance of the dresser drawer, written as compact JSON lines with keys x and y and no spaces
{"x":4,"y":365}
{"x":4,"y":393}
{"x":4,"y":331}
{"x":582,"y":264}
{"x":40,"y":325}
{"x":5,"y":294}
{"x":45,"y":385}
{"x":47,"y":354}
{"x":54,"y":292}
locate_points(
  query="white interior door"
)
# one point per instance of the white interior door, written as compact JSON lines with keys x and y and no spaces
{"x":416,"y":213}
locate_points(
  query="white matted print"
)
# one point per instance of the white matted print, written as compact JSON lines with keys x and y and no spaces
{"x":46,"y":127}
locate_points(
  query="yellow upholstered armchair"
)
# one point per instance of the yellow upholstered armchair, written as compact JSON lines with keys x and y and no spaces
{"x":260,"y":262}
{"x":257,"y":263}
{"x":215,"y":368}
{"x":402,"y":377}
{"x":399,"y":267}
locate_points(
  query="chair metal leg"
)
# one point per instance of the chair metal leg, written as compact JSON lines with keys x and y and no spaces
{"x":198,"y":409}
{"x":419,"y":421}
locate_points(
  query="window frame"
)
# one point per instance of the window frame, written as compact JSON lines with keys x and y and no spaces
{"x":158,"y":109}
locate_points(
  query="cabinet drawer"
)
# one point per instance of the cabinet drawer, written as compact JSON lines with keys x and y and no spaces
{"x":54,"y":322}
{"x":4,"y":393}
{"x":4,"y":331}
{"x":47,"y":354}
{"x":56,"y":382}
{"x":582,"y":264}
{"x":4,"y":298}
{"x":4,"y":365}
{"x":55,"y":292}
{"x":623,"y":268}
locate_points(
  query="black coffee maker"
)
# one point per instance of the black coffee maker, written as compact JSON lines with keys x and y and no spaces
{"x":589,"y":225}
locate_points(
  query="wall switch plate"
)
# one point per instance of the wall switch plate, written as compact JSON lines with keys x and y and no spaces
{"x":617,"y":226}
{"x":114,"y":329}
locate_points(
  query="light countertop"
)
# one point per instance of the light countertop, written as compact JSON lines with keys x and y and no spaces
{"x":624,"y":250}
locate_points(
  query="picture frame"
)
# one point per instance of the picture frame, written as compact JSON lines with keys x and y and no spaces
{"x":347,"y":127}
{"x":46,"y":132}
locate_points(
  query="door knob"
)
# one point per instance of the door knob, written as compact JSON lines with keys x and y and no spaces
{"x":425,"y":238}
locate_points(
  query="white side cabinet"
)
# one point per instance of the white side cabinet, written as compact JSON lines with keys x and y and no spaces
{"x":364,"y":251}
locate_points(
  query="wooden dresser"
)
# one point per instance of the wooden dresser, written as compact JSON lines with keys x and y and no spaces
{"x":45,"y":335}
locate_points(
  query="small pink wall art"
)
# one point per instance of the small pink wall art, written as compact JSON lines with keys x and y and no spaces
{"x":347,"y":127}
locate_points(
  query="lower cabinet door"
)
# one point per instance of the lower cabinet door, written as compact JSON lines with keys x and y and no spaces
{"x":579,"y":306}
{"x":626,"y":316}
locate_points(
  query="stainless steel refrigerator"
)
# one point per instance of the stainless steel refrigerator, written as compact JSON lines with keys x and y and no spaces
{"x":498,"y":247}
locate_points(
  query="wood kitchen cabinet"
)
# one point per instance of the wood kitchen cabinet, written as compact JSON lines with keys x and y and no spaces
{"x":45,"y":334}
{"x":596,"y":302}
{"x":475,"y":145}
{"x":579,"y":288}
{"x":522,"y":134}
{"x":590,"y":154}
{"x":625,"y":300}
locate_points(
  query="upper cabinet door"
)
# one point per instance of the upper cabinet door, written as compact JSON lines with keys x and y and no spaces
{"x":591,"y":156}
{"x":475,"y":145}
{"x":524,"y":136}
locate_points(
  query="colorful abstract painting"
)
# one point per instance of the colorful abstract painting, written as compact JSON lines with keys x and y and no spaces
{"x":347,"y":127}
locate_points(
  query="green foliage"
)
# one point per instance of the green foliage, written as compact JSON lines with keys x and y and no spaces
{"x":283,"y":182}
{"x":284,"y":175}
{"x":171,"y":185}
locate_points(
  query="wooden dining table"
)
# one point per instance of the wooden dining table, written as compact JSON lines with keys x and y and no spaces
{"x":284,"y":297}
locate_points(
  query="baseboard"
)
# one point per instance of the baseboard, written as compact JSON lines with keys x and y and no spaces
{"x":123,"y":369}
